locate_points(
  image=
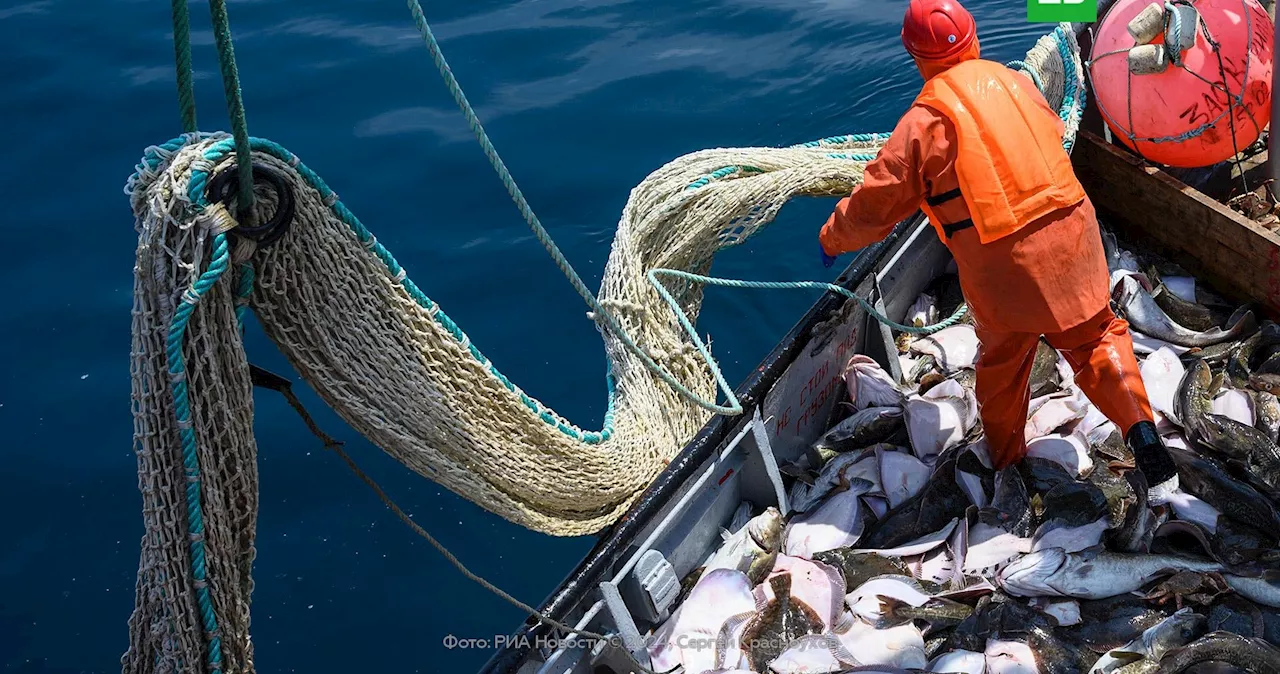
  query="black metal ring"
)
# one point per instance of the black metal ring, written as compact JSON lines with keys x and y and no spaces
{"x":225,"y":185}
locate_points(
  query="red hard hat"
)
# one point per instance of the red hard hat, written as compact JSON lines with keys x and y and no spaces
{"x":933,"y":30}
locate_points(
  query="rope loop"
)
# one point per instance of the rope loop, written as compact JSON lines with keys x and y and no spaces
{"x":224,"y":188}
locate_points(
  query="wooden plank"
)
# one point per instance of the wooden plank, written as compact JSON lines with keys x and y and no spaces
{"x":1146,"y":205}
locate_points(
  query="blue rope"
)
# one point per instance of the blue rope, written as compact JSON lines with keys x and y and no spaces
{"x":187,"y":434}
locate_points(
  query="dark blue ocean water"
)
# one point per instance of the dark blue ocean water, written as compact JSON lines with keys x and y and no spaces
{"x":583,"y":99}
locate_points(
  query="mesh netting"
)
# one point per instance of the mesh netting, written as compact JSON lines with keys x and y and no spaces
{"x":397,"y":369}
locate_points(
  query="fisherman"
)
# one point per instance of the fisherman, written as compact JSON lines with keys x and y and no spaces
{"x":980,"y":151}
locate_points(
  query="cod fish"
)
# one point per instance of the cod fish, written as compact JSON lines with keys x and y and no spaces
{"x":1264,"y":589}
{"x":771,"y":630}
{"x":1222,"y":652}
{"x":869,"y":426}
{"x":1242,"y":445}
{"x":1211,"y":483}
{"x":1141,"y":311}
{"x":1247,"y":447}
{"x":751,"y":549}
{"x":953,"y":349}
{"x":1188,"y":314}
{"x":1267,"y":407}
{"x":1172,"y":632}
{"x":869,"y":385}
{"x":1091,"y":574}
{"x":1110,"y":623}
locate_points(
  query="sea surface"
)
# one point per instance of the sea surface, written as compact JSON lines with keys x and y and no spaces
{"x":582,"y":99}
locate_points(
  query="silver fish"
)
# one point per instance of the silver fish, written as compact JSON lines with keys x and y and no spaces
{"x":751,"y":549}
{"x":1172,"y":632}
{"x":1136,"y":306}
{"x":1264,"y":589}
{"x":1091,"y":574}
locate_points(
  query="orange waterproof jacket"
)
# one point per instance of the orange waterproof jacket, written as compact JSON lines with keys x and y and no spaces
{"x":1048,"y":276}
{"x":1010,"y":162}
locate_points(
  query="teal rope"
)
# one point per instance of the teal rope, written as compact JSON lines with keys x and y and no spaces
{"x":182,"y":64}
{"x":734,"y":407}
{"x":789,"y":285}
{"x":235,"y":106}
{"x":1023,"y":67}
{"x":187,"y":433}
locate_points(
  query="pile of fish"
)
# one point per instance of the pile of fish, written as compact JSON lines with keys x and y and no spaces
{"x":905,"y":551}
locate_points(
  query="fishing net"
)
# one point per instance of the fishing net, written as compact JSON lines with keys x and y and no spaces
{"x":389,"y":360}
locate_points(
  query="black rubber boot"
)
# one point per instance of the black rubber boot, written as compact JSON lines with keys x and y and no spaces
{"x":1150,"y":453}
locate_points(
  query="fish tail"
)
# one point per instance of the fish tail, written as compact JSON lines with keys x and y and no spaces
{"x":893,"y":611}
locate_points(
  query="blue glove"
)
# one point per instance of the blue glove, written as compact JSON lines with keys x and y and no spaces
{"x":827,"y":260}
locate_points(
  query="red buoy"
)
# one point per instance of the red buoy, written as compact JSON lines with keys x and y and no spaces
{"x":1188,"y":107}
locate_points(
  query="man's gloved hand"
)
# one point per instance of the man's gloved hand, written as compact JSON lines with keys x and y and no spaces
{"x":827,"y":260}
